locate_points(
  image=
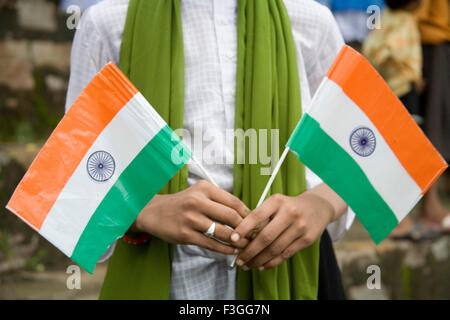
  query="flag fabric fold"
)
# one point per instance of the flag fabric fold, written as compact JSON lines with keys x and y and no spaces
{"x":106,"y":159}
{"x":359,"y":138}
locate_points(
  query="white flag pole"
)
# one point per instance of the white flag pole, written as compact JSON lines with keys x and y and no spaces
{"x":273,"y":175}
{"x":268,"y":185}
{"x":203,"y":170}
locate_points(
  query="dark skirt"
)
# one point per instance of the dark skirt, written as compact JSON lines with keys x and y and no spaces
{"x":412,"y":102}
{"x":330,"y":282}
{"x":436,"y":98}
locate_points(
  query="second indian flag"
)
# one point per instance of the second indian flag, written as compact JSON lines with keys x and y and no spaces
{"x":360,"y":139}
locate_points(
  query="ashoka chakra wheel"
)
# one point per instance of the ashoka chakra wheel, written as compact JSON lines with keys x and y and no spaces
{"x":100,"y":166}
{"x":363,"y":141}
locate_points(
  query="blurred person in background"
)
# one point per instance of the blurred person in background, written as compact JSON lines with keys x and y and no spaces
{"x":434,"y":25}
{"x":395,"y":51}
{"x":82,"y":4}
{"x":352,"y":18}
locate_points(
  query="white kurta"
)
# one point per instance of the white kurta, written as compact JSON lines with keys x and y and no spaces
{"x":210,"y":50}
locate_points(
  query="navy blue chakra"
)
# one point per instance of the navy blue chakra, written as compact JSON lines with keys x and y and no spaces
{"x":100,"y":166}
{"x":363,"y":141}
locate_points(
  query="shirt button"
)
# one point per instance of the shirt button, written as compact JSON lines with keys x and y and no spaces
{"x":223,"y":22}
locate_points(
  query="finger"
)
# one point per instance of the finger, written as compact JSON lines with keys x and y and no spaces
{"x":221,"y":232}
{"x":256,"y":217}
{"x":275,"y":249}
{"x":227,"y":199}
{"x":252,"y":235}
{"x":264,"y":239}
{"x":287,"y":253}
{"x":275,"y":262}
{"x":203,"y":241}
{"x":219,"y":212}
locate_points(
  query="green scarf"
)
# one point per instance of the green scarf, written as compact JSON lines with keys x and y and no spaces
{"x":267,"y":97}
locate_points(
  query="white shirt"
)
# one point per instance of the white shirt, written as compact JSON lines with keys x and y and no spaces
{"x":210,"y":49}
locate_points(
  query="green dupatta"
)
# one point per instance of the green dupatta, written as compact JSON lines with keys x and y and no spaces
{"x":267,"y":97}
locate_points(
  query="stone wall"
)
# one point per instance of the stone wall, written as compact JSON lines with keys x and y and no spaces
{"x":34,"y":69}
{"x":408,"y":270}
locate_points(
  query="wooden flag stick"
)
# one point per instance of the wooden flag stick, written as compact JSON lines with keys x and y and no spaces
{"x":268,"y":185}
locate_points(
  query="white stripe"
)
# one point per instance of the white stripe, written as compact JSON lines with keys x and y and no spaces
{"x":339,"y":116}
{"x":124,"y":137}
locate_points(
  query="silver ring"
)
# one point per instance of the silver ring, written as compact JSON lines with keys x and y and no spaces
{"x":210,"y":232}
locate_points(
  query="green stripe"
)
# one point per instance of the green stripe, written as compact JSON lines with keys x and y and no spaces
{"x":340,"y":172}
{"x":144,"y":177}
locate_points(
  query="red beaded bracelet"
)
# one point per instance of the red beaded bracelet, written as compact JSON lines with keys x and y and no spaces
{"x":143,"y":238}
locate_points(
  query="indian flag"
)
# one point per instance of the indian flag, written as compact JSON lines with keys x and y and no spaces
{"x":359,"y":138}
{"x":106,"y":159}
